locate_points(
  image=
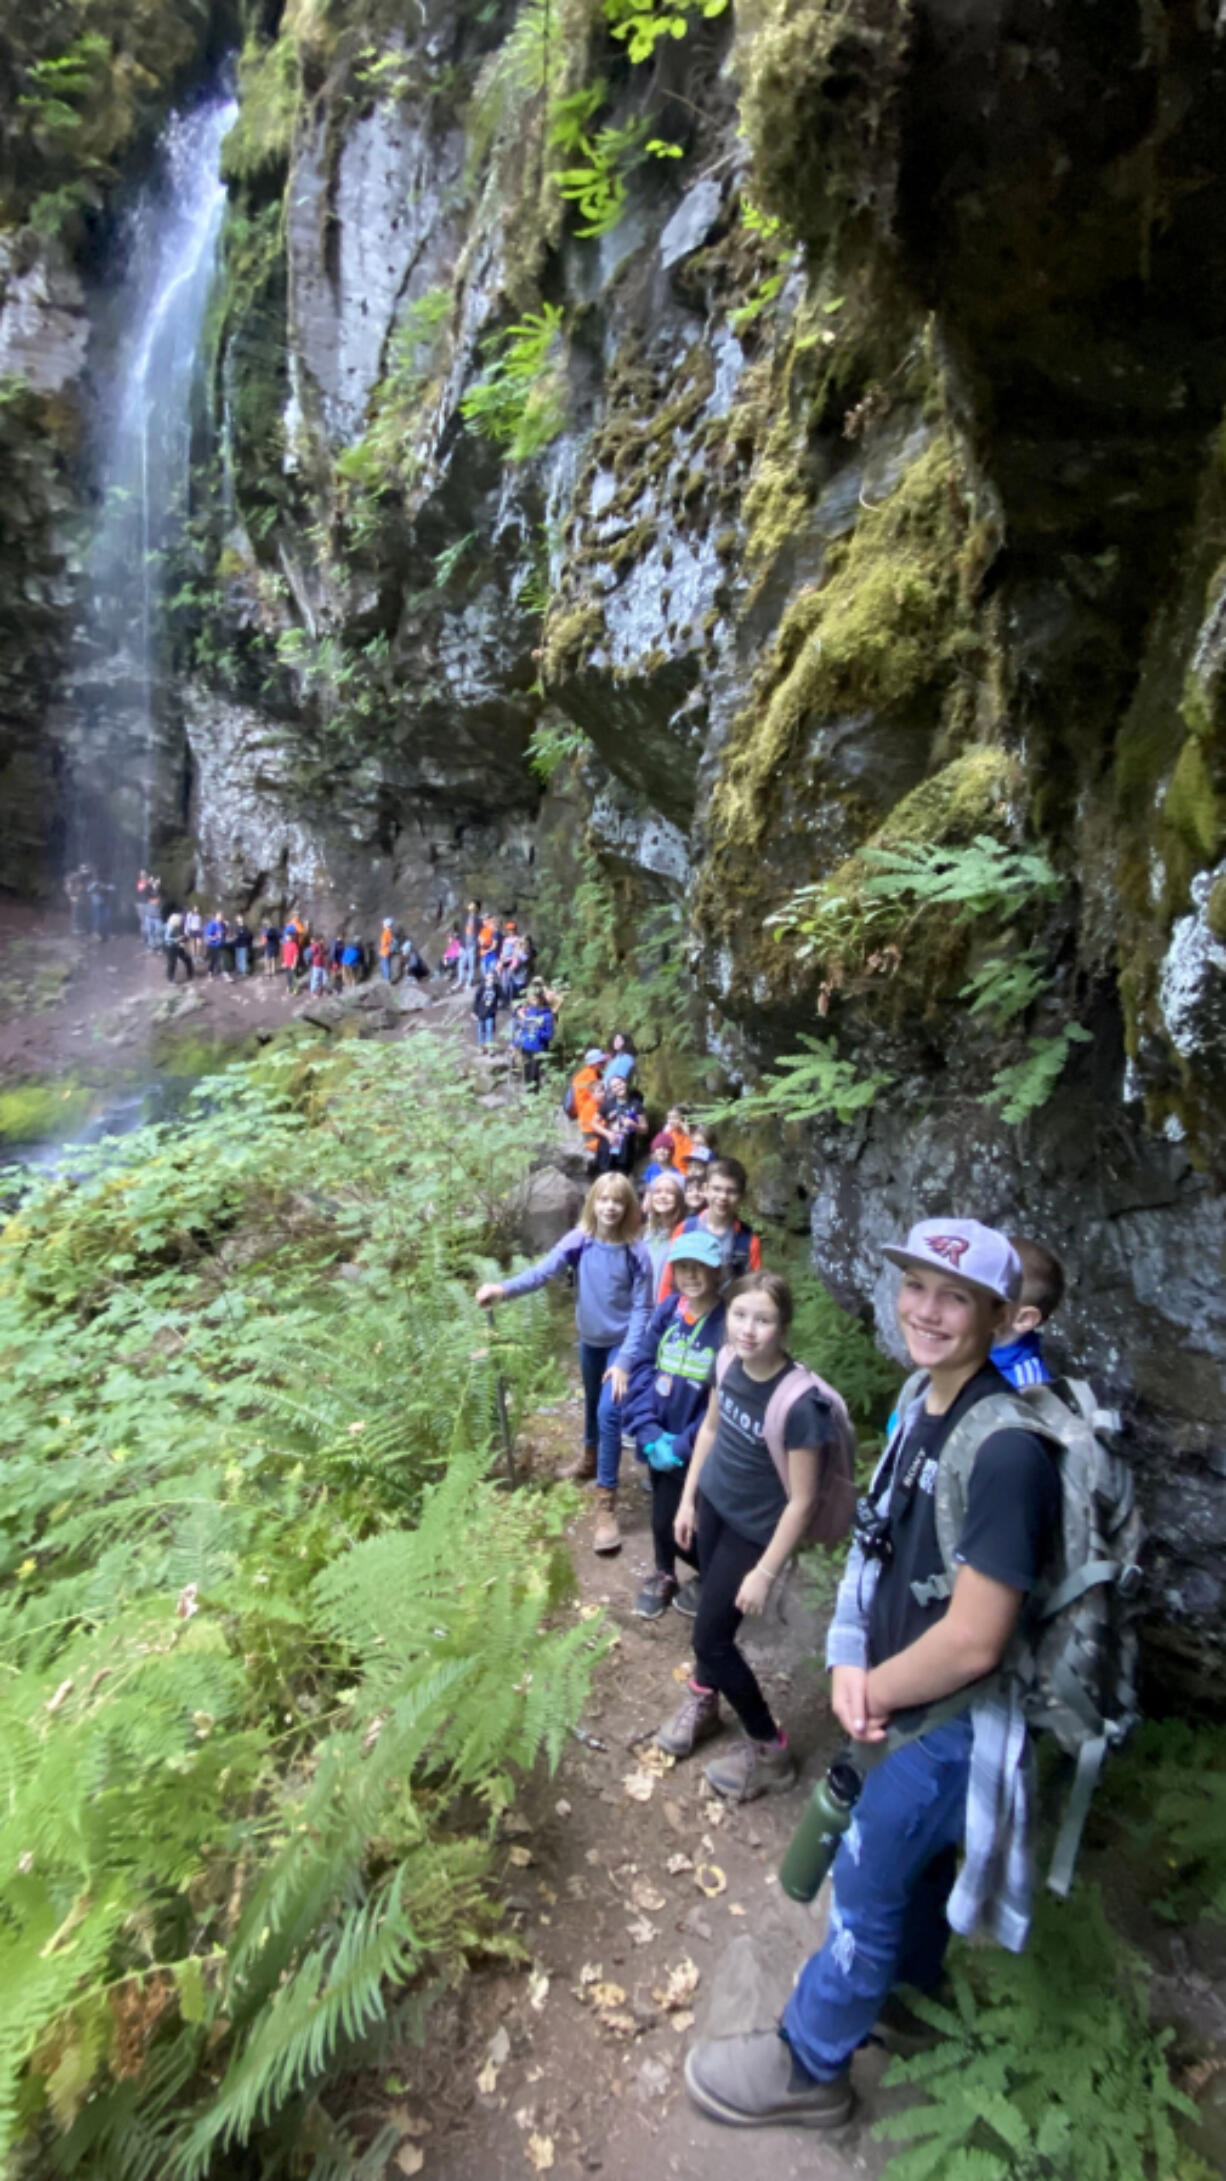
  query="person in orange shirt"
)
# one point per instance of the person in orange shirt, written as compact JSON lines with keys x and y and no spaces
{"x":683,"y":1142}
{"x":387,"y":947}
{"x":583,"y":1101}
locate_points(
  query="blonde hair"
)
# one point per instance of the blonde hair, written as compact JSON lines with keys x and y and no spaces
{"x":631,"y":1219}
{"x":676,"y":1184}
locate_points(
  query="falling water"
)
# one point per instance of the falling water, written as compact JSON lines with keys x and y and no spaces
{"x":130,"y":759}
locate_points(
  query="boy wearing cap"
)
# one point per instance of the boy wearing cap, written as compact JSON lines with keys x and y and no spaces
{"x":668,"y":1398}
{"x":904,"y":1639}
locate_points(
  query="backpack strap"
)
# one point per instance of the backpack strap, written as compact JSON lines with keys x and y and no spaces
{"x":1064,"y":1855}
{"x":1002,"y":1411}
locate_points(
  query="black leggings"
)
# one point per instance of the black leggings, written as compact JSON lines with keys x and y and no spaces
{"x":667,"y":1486}
{"x":724,"y":1560}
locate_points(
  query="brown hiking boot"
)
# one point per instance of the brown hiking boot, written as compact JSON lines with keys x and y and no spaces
{"x":755,"y":2081}
{"x":581,"y":1468}
{"x":607,"y":1537}
{"x":695,"y":1720}
{"x":750,"y":1769}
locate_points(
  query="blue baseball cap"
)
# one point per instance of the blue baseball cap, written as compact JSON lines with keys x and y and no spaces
{"x":700,"y":1247}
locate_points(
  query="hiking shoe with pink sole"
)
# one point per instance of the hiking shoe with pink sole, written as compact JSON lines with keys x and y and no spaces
{"x":695,"y":1720}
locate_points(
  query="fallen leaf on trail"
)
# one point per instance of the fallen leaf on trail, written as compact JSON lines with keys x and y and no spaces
{"x":520,"y":1857}
{"x":713,"y":1813}
{"x":683,"y":2021}
{"x":562,"y":1808}
{"x":657,"y":1760}
{"x":500,"y":2045}
{"x":592,"y":1855}
{"x":590,"y":1973}
{"x":642,"y":1931}
{"x":525,"y":2118}
{"x":624,"y":2025}
{"x":487,"y":2080}
{"x":709,"y":1879}
{"x":514,"y":1825}
{"x":534,"y":2074}
{"x":644,"y":1895}
{"x":410,"y":2159}
{"x":608,"y":1995}
{"x":547,"y":1894}
{"x":735,"y":1909}
{"x":588,"y":1612}
{"x":678,"y":1863}
{"x":540,"y":2153}
{"x":640,"y":1785}
{"x":679,"y":1986}
{"x":681,"y":1673}
{"x":538,"y":1991}
{"x":409,"y":2124}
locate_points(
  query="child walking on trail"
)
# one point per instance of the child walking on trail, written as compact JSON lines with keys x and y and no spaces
{"x":746,"y":1523}
{"x":668,"y":1399}
{"x":487,"y":1000}
{"x":612,"y":1306}
{"x":664,"y":1207}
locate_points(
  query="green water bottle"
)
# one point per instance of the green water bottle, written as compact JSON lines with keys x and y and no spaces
{"x":815,"y":1842}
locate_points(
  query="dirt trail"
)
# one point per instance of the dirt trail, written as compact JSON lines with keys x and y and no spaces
{"x":608,"y":1890}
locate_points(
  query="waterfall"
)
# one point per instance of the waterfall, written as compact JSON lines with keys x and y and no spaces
{"x":130,"y":761}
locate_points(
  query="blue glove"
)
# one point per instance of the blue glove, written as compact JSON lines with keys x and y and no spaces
{"x":661,"y":1453}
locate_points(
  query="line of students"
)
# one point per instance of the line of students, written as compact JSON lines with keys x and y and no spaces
{"x":692,"y":1367}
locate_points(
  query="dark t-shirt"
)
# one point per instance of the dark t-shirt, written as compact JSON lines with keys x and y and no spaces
{"x":738,"y":1477}
{"x":1012,"y":1510}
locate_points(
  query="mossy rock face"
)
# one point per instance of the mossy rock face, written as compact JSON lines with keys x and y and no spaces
{"x":821,"y":83}
{"x":862,"y":685}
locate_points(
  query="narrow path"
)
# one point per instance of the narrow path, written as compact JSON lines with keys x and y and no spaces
{"x":651,"y":1914}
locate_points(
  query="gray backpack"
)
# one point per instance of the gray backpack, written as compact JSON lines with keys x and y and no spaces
{"x":1074,"y":1652}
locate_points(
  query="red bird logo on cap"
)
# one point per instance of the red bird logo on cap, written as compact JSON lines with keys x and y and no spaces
{"x":953,"y":1247}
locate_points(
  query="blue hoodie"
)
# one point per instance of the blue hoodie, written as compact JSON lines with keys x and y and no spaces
{"x":1021,"y":1360}
{"x":681,"y":1406}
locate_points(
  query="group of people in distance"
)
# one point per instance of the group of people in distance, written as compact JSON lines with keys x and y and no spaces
{"x":289,"y":948}
{"x":683,"y":1352}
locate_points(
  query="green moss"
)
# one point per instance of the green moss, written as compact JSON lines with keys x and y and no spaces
{"x":820,"y":83}
{"x":1215,"y":911}
{"x":882,"y":630}
{"x":268,"y":91}
{"x":36,"y":1112}
{"x":569,"y":635}
{"x":1191,"y":807}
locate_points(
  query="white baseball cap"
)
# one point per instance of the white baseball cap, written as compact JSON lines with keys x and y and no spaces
{"x":980,"y":1255}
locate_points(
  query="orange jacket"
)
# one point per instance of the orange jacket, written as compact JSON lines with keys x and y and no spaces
{"x":586,"y":1087}
{"x":387,"y":940}
{"x":682,"y":1147}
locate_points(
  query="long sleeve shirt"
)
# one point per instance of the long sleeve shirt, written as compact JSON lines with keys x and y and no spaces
{"x":612,"y":1291}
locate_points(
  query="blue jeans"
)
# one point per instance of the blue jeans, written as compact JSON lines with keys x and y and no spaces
{"x":593,"y":1363}
{"x":466,"y":967}
{"x":608,"y":1433}
{"x":892,"y":1879}
{"x":385,"y":967}
{"x":485,"y":1029}
{"x":241,"y":960}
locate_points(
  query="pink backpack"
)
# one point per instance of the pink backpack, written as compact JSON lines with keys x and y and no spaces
{"x":836,"y":1492}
